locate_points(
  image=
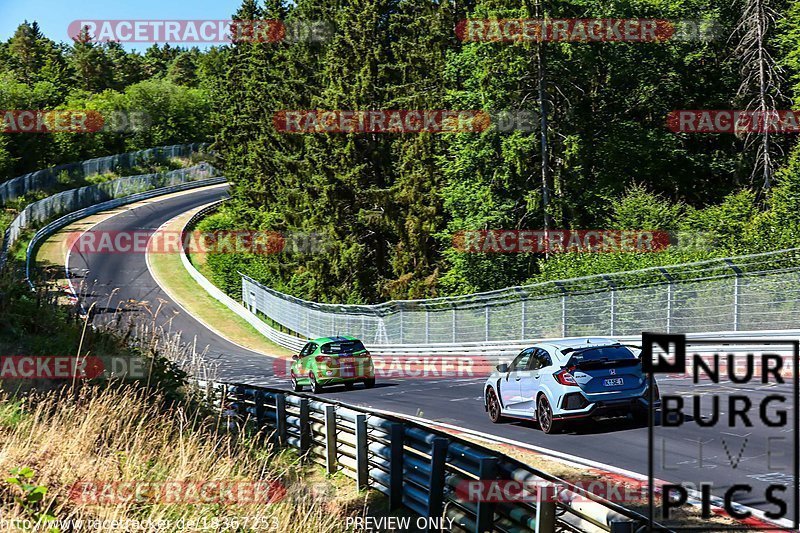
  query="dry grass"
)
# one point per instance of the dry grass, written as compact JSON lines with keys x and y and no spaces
{"x":109,"y":433}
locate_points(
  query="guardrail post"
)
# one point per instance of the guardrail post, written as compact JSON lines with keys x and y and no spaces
{"x":545,"y":510}
{"x":622,"y":527}
{"x":330,"y":439}
{"x":258,"y":399}
{"x":280,"y":417}
{"x":436,"y":485}
{"x":487,"y":471}
{"x":362,"y":464}
{"x":305,"y":428}
{"x":396,"y":437}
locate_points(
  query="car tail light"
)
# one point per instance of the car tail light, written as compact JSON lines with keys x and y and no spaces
{"x":323,"y":359}
{"x":565,"y":378}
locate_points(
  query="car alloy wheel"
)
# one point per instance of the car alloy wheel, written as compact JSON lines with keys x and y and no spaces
{"x":493,"y":406}
{"x":316,"y":388}
{"x":545,"y":416}
{"x":296,"y":387}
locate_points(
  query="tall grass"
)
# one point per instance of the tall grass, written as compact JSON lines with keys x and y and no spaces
{"x":120,"y":433}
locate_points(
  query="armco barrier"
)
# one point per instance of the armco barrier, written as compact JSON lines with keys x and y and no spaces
{"x":48,"y":177}
{"x":417,"y":467}
{"x":55,"y":225}
{"x":75,"y":199}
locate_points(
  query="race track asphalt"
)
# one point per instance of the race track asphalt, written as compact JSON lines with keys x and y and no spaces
{"x":617,"y":442}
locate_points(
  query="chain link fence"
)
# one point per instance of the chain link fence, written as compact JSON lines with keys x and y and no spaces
{"x":744,"y":293}
{"x":48,"y":178}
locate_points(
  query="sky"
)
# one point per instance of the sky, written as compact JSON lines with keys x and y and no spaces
{"x":54,"y":16}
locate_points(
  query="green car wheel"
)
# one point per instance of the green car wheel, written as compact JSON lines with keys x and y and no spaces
{"x":316,"y":388}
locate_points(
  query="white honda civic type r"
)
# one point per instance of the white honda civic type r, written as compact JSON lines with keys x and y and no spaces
{"x":568,"y":379}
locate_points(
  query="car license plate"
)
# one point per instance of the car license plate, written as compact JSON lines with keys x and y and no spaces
{"x":613,"y":382}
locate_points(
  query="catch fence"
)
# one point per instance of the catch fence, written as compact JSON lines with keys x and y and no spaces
{"x":744,"y":293}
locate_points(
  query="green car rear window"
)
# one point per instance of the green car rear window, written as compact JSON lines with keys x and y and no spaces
{"x":340,"y":347}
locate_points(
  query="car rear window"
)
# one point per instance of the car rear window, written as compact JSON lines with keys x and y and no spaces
{"x":343,"y":347}
{"x":602,"y":354}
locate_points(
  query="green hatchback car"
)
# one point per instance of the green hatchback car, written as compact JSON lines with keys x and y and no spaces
{"x":332,"y":361}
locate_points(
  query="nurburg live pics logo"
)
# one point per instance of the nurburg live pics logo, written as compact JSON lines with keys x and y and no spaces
{"x":768,"y":397}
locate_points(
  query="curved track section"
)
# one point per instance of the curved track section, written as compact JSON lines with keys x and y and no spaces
{"x":457,"y":402}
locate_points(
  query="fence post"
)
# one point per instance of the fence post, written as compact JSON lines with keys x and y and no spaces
{"x":436,"y":485}
{"x":736,"y":294}
{"x":454,"y":323}
{"x":280,"y":417}
{"x":486,"y":320}
{"x":613,"y":318}
{"x":487,"y":471}
{"x":401,"y":325}
{"x":427,"y":325}
{"x":563,"y":308}
{"x":545,"y":510}
{"x":396,"y":438}
{"x":670,"y":280}
{"x":362,"y":451}
{"x":330,"y":439}
{"x":305,"y":428}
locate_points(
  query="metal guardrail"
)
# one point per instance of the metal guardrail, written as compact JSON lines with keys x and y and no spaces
{"x":417,"y":467}
{"x":75,"y":199}
{"x":291,"y":342}
{"x":48,"y":177}
{"x":59,"y":223}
